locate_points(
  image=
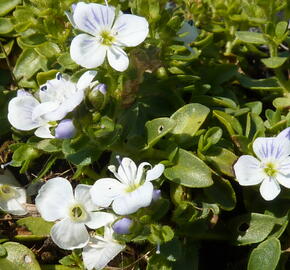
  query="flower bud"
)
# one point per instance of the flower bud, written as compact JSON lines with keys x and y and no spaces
{"x":156,"y":195}
{"x":65,"y":129}
{"x":122,"y":226}
{"x":97,"y":96}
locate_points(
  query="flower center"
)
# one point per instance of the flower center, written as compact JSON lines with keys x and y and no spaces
{"x":77,"y":213}
{"x":131,"y":188}
{"x":107,"y":38}
{"x":270,"y":169}
{"x":6,"y":192}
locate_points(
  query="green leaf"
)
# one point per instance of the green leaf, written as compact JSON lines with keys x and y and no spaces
{"x":66,"y":62}
{"x":221,"y":159}
{"x":251,"y":37}
{"x":21,"y":256}
{"x":48,"y":49}
{"x":222,"y":193}
{"x":43,"y":77}
{"x":230,"y":122}
{"x":6,"y":26}
{"x":281,"y":28}
{"x":49,"y":145}
{"x":189,"y":171}
{"x":28,"y":63}
{"x":160,"y":234}
{"x":8,"y":48}
{"x":274,"y":62}
{"x":7,"y":5}
{"x":32,"y":40}
{"x":265,"y":256}
{"x":188,"y":120}
{"x":157,"y":128}
{"x":3,"y":251}
{"x":36,"y":225}
{"x":281,"y":103}
{"x":251,"y":228}
{"x":269,"y":84}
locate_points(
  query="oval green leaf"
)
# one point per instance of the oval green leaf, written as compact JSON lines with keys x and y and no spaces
{"x":188,"y":120}
{"x":157,"y":128}
{"x":189,"y":171}
{"x":265,"y":256}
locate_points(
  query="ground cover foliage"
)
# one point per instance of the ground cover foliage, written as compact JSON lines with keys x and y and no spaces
{"x":209,"y":79}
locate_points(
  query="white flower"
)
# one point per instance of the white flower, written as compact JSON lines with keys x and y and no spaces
{"x":105,"y":34}
{"x":131,"y":191}
{"x":101,"y":250}
{"x":12,"y":196}
{"x":64,"y":94}
{"x":271,"y":169}
{"x":26,"y":113}
{"x":58,"y":97}
{"x":56,"y":201}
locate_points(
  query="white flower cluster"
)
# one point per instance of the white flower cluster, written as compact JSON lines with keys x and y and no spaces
{"x":271,"y":168}
{"x":74,"y":211}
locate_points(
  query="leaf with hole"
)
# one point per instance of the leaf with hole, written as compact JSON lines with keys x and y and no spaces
{"x":157,"y":128}
{"x":189,"y":119}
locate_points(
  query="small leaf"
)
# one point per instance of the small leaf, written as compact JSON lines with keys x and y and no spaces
{"x":188,"y":120}
{"x":157,"y":128}
{"x":230,"y":122}
{"x":281,"y":28}
{"x":274,"y":62}
{"x":189,"y":171}
{"x":36,"y":225}
{"x":265,"y":256}
{"x":28,"y":63}
{"x":21,"y":256}
{"x":7,"y":5}
{"x":6,"y":26}
{"x":251,"y":37}
{"x":160,"y":234}
{"x":222,"y":193}
{"x":251,"y":228}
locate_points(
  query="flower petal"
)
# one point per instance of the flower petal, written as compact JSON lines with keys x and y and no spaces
{"x":85,"y":80}
{"x":86,"y":51}
{"x":43,"y":132}
{"x":131,"y":30}
{"x":269,"y":189}
{"x":141,"y":172}
{"x":155,"y":173}
{"x":82,"y":195}
{"x":284,"y":166}
{"x":127,"y":171}
{"x":117,"y":58}
{"x":54,"y":198}
{"x":271,"y":148}
{"x":284,"y":180}
{"x":13,"y":207}
{"x":105,"y":190}
{"x":43,"y":108}
{"x":248,"y":171}
{"x":284,"y":134}
{"x":130,"y":202}
{"x":100,"y":253}
{"x":92,"y":18}
{"x":99,"y":219}
{"x":20,"y":111}
{"x":69,"y":235}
